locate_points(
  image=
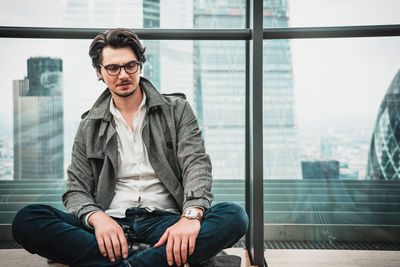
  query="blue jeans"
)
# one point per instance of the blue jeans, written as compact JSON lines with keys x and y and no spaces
{"x":59,"y":236}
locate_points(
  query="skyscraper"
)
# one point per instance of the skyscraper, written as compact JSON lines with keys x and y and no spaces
{"x":38,"y":121}
{"x":151,"y":19}
{"x":384,"y":153}
{"x":281,"y":145}
{"x":220,"y":92}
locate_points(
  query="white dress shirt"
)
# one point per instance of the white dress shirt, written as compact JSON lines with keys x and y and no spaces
{"x":137,"y":184}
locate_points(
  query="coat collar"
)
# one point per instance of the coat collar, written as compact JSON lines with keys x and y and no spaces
{"x":101,"y":108}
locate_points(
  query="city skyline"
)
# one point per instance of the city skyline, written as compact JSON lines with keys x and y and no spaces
{"x":299,"y":11}
{"x":332,"y":90}
{"x":308,"y":55}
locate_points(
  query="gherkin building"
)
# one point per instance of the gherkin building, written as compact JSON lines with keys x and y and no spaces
{"x":384,"y":153}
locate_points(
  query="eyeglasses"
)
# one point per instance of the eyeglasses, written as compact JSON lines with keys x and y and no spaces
{"x":114,"y":69}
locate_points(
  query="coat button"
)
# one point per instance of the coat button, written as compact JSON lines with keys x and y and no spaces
{"x":169,"y":145}
{"x":103,"y":155}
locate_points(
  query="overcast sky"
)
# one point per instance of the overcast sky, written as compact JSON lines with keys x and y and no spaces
{"x":336,"y":78}
{"x":333,"y":78}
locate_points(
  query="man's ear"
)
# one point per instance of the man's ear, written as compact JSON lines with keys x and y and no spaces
{"x":99,"y":75}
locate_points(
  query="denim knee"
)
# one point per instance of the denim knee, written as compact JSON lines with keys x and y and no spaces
{"x":21,"y":225}
{"x":241,"y":220}
{"x":236,"y":215}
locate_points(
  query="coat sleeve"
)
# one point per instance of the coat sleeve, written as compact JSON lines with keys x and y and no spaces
{"x":79,"y":196}
{"x":194,"y":162}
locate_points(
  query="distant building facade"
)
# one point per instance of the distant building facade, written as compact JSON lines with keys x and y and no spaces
{"x":219,"y":94}
{"x":38,"y":121}
{"x":328,"y":169}
{"x":384,"y":153}
{"x":281,"y":142}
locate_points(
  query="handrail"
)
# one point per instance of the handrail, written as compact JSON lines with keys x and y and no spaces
{"x":147,"y":34}
{"x":207,"y":34}
{"x":332,"y":32}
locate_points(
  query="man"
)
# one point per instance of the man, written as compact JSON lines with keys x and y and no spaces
{"x":138,"y":160}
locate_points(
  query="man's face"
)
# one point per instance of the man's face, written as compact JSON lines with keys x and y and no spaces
{"x":123,"y":84}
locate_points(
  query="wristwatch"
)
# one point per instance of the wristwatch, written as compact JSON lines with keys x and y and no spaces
{"x":192,"y":213}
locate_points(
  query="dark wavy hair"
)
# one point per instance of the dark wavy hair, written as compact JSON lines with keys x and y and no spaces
{"x":116,"y":38}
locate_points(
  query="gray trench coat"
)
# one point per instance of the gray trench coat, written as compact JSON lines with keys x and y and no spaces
{"x":175,"y":148}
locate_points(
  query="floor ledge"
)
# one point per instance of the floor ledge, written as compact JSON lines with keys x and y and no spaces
{"x":22,"y":258}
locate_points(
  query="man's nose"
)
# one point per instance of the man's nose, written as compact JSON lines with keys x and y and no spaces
{"x":123,"y":73}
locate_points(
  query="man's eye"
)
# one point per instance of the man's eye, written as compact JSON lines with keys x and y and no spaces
{"x":131,"y":65}
{"x":113,"y":67}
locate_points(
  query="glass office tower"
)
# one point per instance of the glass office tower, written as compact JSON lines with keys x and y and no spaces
{"x":384,"y":153}
{"x":220,"y":87}
{"x":220,"y":74}
{"x":281,"y":145}
{"x":38,"y":121}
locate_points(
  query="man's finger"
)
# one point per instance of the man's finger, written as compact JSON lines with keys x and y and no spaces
{"x":192,"y":243}
{"x":184,"y":246}
{"x":168,"y":250}
{"x":116,"y":246}
{"x":177,"y":251}
{"x":109,"y":249}
{"x":124,"y":245}
{"x":102,"y":248}
{"x":162,"y":240}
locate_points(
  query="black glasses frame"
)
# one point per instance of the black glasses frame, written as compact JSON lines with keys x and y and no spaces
{"x":120,"y":67}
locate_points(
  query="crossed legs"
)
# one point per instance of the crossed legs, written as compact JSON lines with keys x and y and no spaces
{"x":59,"y":236}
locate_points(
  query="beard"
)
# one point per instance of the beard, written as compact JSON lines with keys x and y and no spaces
{"x":126,"y":94}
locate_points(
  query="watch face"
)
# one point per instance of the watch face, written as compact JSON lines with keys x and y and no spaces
{"x":191,"y":213}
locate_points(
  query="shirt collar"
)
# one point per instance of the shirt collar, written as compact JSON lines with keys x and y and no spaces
{"x":101,"y":108}
{"x":115,"y":112}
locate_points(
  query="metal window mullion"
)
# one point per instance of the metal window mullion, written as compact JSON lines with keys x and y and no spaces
{"x":332,"y":32}
{"x":145,"y":34}
{"x":207,"y":34}
{"x":254,"y":122}
{"x":247,"y":126}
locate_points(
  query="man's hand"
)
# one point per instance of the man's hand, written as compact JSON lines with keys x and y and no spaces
{"x":179,"y":237}
{"x":109,"y":235}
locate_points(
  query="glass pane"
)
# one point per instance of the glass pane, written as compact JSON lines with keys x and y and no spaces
{"x":318,"y":13}
{"x":38,"y":128}
{"x":124,"y":13}
{"x":331,"y":135}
